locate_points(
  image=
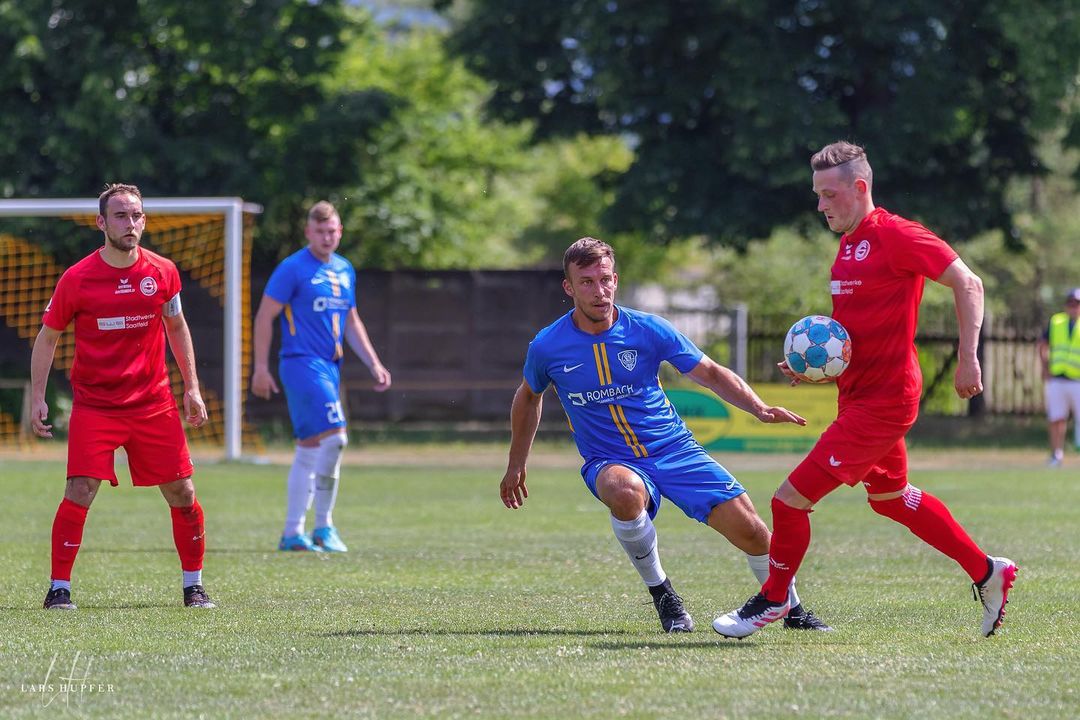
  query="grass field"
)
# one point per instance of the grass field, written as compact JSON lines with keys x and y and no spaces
{"x":449,"y":605}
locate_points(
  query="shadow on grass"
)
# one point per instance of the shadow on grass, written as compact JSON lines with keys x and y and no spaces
{"x":172,"y":551}
{"x":660,"y":644}
{"x":130,"y":606}
{"x":517,"y":632}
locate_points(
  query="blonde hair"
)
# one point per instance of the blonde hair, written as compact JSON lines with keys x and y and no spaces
{"x":321,"y":212}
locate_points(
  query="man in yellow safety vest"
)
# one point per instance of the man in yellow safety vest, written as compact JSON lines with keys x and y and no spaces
{"x":1059,"y":349}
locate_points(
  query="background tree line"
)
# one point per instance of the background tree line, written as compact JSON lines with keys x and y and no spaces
{"x":680,"y":131}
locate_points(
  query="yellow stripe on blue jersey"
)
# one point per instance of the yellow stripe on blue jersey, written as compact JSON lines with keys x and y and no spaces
{"x":339,"y":352}
{"x":289,"y":319}
{"x":618,"y":415}
{"x":599,"y":364}
{"x":635,"y":445}
{"x":615,"y":416}
{"x":335,"y":283}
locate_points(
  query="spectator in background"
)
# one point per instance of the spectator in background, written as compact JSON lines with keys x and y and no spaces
{"x":1059,"y":349}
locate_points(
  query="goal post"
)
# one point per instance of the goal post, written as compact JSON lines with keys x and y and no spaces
{"x":229,"y":281}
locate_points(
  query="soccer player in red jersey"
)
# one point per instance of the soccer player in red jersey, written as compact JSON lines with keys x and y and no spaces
{"x":877,"y":285}
{"x":118,"y":298}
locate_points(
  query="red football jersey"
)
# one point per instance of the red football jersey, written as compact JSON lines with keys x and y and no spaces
{"x":877,"y":285}
{"x":119,"y":361}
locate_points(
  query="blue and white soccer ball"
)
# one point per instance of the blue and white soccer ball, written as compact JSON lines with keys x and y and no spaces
{"x":817,"y":349}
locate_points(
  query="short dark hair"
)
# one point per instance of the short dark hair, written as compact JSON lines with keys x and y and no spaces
{"x":116,"y":189}
{"x":844,"y":154}
{"x":585,"y":252}
{"x":322,"y":211}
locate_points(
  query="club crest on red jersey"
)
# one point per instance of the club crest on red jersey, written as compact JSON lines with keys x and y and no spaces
{"x":862,"y":250}
{"x":148,"y":286}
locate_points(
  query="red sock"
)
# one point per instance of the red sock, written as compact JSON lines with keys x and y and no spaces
{"x":790,"y":539}
{"x":930,"y":521}
{"x":67,"y":532}
{"x":189,"y":535}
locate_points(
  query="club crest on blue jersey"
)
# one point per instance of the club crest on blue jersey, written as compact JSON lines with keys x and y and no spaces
{"x":628,"y":358}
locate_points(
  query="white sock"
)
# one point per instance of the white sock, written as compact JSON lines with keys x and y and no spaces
{"x":66,"y":584}
{"x":192,"y":577}
{"x":759,"y":565}
{"x":638,"y":538}
{"x":300,"y":489}
{"x":327,"y":473}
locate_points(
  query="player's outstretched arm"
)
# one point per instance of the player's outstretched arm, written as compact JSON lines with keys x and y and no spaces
{"x":262,"y":382}
{"x":357,"y":337}
{"x":733,"y":389}
{"x":967,"y":290}
{"x":183,"y":350}
{"x":524,"y":420}
{"x":41,"y":359}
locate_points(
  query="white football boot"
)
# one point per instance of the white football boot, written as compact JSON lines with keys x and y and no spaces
{"x":993,"y":593}
{"x":756,"y":613}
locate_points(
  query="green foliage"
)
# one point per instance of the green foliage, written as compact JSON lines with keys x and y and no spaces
{"x":447,"y":187}
{"x":439,"y":188}
{"x":223,"y":100}
{"x":727,"y":100}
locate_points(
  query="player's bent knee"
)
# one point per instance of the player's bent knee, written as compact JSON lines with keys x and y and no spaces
{"x":893,"y":505}
{"x":624,"y":495}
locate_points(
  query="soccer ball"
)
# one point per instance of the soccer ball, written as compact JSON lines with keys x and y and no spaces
{"x":817,"y":349}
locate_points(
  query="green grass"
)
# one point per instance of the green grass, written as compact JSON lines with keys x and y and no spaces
{"x":449,"y":605}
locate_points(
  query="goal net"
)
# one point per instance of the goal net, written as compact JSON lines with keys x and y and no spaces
{"x":209,"y":239}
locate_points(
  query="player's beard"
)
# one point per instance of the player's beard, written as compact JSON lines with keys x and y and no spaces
{"x":124,"y":243}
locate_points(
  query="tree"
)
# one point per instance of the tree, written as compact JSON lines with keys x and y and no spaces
{"x":725,"y":100}
{"x":228,"y":100}
{"x":446,"y":187}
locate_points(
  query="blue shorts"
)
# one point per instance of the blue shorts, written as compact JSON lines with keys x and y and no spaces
{"x":688,"y":477}
{"x":311,"y":389}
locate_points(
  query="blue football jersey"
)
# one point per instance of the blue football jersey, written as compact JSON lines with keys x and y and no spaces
{"x":317,"y":297}
{"x":608,"y":383}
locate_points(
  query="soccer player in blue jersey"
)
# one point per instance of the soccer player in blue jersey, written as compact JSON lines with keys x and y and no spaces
{"x":316,"y":289}
{"x":603,"y":361}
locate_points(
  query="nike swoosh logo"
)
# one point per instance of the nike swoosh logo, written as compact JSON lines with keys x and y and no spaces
{"x":317,"y":280}
{"x":642,"y":557}
{"x":571,"y":368}
{"x":834,"y":462}
{"x":67,"y":544}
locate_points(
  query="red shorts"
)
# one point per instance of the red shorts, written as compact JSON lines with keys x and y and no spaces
{"x":864,"y":444}
{"x":156,"y":448}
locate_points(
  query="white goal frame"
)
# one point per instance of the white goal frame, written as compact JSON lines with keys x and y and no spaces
{"x":232,"y":209}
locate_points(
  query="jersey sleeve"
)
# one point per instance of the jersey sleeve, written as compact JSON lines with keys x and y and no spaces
{"x":173,"y":284}
{"x":281,"y":284}
{"x":919,"y":251}
{"x":675,"y":347}
{"x":61,"y":308}
{"x":535,"y":371}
